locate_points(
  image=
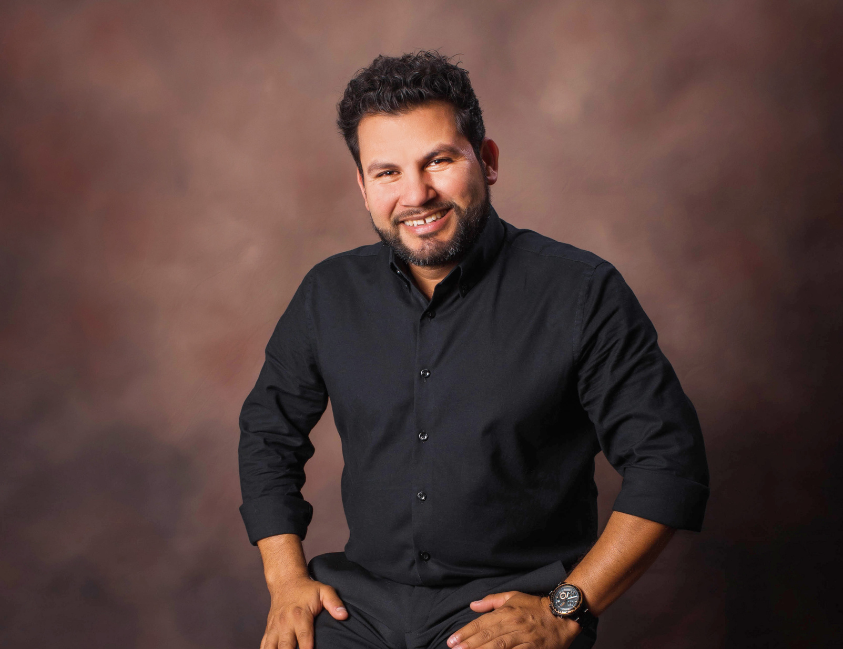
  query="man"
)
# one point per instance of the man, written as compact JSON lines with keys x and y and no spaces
{"x":475,"y":369}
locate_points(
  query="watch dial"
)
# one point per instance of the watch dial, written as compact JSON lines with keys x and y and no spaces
{"x":566,"y":598}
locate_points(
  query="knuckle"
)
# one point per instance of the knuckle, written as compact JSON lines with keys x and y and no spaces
{"x":500,"y":643}
{"x":486,"y":634}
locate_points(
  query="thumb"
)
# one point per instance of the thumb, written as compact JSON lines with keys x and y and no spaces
{"x":332,"y":603}
{"x":491,"y":602}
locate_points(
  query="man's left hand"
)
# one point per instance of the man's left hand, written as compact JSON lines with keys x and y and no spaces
{"x":515,"y":620}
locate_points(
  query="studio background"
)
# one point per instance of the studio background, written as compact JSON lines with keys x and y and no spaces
{"x":169,"y":171}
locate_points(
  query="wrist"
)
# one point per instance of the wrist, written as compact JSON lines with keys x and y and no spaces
{"x":280,"y":580}
{"x":568,"y":627}
{"x":283,"y":560}
{"x":568,"y":602}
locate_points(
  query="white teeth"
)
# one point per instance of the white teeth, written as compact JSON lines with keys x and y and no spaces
{"x":429,"y":219}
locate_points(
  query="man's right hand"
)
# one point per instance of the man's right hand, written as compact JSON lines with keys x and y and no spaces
{"x":295,"y":603}
{"x":296,"y":597}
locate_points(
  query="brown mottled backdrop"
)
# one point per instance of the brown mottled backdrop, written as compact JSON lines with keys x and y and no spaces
{"x":170,"y":170}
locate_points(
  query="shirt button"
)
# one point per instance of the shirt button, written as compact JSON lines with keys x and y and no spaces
{"x":422,"y":435}
{"x":431,"y":314}
{"x":425,"y":373}
{"x":421,"y":495}
{"x":424,"y":555}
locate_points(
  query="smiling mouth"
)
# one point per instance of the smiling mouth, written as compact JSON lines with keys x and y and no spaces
{"x":430,"y":219}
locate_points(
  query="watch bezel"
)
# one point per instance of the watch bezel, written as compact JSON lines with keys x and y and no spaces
{"x":580,"y":600}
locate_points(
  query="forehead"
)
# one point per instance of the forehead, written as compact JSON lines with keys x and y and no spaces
{"x":410,"y":134}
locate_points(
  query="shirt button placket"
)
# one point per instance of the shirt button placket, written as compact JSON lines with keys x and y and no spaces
{"x":422,"y":512}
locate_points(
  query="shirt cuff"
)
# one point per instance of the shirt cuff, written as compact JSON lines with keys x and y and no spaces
{"x":664,"y":498}
{"x":273,"y":515}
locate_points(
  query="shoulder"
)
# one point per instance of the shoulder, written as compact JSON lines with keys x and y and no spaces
{"x":537,"y":248}
{"x":343,"y":273}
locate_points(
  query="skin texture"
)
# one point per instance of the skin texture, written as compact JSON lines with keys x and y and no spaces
{"x":416,"y":164}
{"x":624,"y":551}
{"x":295,"y":598}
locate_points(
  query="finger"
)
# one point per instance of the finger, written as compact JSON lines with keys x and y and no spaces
{"x":304,"y":631}
{"x":491,"y":602}
{"x":270,"y":640}
{"x":504,"y":641}
{"x":479,"y":629}
{"x":482,"y":606}
{"x":286,"y":640}
{"x":492,"y":639}
{"x":332,"y":603}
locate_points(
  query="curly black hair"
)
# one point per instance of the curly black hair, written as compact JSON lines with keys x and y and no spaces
{"x":396,"y":84}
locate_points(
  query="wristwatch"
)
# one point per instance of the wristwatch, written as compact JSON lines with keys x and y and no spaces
{"x":567,"y":600}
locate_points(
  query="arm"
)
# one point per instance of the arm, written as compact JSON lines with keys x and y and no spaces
{"x":295,"y":598}
{"x":288,"y":399}
{"x":649,"y":431}
{"x":627,"y":547}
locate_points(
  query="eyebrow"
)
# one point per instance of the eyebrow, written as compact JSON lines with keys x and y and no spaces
{"x":377,"y":165}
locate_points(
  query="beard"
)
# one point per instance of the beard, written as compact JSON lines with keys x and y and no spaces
{"x":470,"y":224}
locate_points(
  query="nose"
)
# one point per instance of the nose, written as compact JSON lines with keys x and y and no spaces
{"x":416,"y":190}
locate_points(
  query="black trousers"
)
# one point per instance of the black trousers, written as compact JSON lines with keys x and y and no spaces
{"x":383,"y":614}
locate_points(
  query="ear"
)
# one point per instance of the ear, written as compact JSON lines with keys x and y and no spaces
{"x":362,"y":186}
{"x":489,"y":160}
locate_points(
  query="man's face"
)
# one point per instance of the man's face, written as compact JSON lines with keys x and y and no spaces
{"x":418,"y":167}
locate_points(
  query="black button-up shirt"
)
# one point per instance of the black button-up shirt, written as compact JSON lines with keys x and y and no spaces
{"x":469,"y":423}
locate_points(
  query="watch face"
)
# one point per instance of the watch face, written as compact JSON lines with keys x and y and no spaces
{"x":565,"y":599}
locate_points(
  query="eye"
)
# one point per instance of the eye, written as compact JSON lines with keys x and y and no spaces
{"x":436,"y":161}
{"x":384,"y":173}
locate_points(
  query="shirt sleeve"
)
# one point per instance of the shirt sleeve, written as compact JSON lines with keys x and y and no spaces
{"x":287,"y":401}
{"x":646,"y":425}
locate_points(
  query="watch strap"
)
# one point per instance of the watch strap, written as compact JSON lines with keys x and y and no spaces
{"x":586,"y":619}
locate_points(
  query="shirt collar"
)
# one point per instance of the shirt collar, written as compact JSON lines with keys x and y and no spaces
{"x":478,"y":259}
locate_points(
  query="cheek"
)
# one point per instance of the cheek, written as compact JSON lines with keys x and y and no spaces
{"x":458,"y":187}
{"x":382,"y":200}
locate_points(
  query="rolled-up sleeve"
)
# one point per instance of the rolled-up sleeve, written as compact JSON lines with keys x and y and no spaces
{"x":646,"y":426}
{"x":275,"y":423}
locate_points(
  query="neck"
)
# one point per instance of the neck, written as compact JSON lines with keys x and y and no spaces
{"x":427,"y":277}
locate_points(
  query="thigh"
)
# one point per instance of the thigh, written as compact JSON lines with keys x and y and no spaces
{"x":373,"y":620}
{"x":437,"y":637}
{"x":452,"y":612}
{"x":357,"y":631}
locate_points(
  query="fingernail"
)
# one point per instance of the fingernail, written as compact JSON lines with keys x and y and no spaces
{"x":341,"y":609}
